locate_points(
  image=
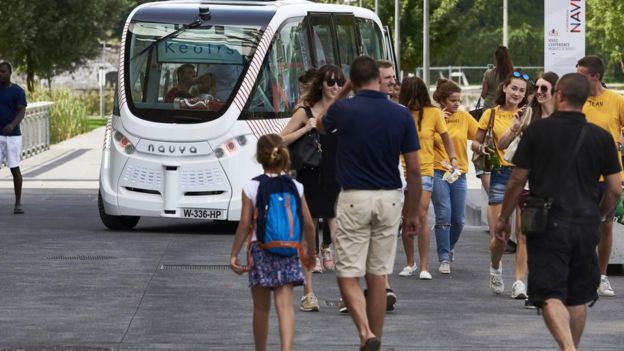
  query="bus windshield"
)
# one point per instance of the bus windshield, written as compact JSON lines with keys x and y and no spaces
{"x":190,"y":77}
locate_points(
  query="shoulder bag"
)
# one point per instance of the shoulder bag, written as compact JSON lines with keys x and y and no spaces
{"x":513,"y":146}
{"x":481,"y":161}
{"x":534,"y":215}
{"x":306,"y":151}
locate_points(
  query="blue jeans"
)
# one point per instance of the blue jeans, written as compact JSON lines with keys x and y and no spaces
{"x":449,"y":201}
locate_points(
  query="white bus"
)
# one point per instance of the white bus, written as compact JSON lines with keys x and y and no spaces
{"x":187,"y":154}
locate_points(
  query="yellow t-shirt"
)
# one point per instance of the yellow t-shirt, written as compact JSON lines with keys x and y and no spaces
{"x":502,"y":122}
{"x":432,"y":123}
{"x":607,"y":112}
{"x":461,"y":128}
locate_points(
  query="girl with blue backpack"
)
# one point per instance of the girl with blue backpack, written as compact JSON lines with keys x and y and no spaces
{"x":274,"y":217}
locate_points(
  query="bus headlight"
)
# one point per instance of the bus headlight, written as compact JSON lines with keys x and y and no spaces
{"x":230,"y":146}
{"x":124,"y":142}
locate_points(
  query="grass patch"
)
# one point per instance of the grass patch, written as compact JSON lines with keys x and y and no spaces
{"x":94,"y":122}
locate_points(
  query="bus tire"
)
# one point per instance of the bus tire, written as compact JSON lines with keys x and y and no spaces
{"x":116,"y":222}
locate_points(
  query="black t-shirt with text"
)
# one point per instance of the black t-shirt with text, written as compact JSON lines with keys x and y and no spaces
{"x":546,"y":148}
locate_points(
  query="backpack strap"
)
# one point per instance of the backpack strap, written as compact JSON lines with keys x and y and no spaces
{"x":252,"y":226}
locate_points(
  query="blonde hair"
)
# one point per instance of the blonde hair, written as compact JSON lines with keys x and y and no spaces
{"x":271,"y":153}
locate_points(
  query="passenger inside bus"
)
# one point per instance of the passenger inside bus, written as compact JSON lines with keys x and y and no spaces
{"x":206,"y":87}
{"x":202,"y":96}
{"x":226,"y":76}
{"x":186,"y":78}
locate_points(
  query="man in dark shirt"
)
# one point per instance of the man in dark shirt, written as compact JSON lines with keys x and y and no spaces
{"x":372,"y":132}
{"x":12,"y":111}
{"x":563,"y":265}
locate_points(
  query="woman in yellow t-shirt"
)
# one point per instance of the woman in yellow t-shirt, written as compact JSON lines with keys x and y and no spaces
{"x":507,"y":123}
{"x":429,"y":121}
{"x":449,"y":199}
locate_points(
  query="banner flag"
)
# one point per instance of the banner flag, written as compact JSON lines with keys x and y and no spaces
{"x":564,"y":35}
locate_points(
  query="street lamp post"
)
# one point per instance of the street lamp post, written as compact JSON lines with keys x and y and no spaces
{"x":397,"y":36}
{"x":426,"y":42}
{"x":102,"y":80}
{"x":505,"y":24}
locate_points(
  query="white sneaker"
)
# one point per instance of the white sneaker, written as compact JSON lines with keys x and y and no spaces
{"x":408,"y":271}
{"x":496,"y":281}
{"x":605,"y":289}
{"x":445,"y":267}
{"x":452,"y":255}
{"x":518,"y":290}
{"x":424,"y":275}
{"x":318,"y":267}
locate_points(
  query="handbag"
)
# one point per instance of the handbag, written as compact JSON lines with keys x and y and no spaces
{"x":478,"y":110}
{"x":513,"y":146}
{"x":481,"y":161}
{"x":534,"y":215}
{"x":306,"y":151}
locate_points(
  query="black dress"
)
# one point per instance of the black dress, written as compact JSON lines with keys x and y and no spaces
{"x":319,"y":184}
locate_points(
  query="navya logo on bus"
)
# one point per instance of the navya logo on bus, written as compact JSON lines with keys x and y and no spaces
{"x":171,"y":149}
{"x":180,"y":51}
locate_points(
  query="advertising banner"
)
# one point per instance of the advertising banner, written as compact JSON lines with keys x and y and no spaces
{"x":564,"y":35}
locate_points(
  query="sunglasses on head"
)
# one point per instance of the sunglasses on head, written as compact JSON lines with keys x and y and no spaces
{"x":524,"y":76}
{"x":542,"y":88}
{"x":331,"y":81}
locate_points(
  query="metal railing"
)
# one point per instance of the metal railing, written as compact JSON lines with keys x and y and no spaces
{"x":36,"y":129}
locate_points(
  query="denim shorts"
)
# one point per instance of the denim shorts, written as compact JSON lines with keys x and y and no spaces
{"x":427,"y":183}
{"x":498,"y":183}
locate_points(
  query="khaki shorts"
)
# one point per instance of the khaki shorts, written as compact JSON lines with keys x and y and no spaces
{"x":367,"y":222}
{"x":10,"y":150}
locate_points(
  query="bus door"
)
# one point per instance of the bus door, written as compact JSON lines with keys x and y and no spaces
{"x":390,"y":54}
{"x":325,"y":31}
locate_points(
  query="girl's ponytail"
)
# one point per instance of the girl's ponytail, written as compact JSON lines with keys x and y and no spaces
{"x":271,"y":153}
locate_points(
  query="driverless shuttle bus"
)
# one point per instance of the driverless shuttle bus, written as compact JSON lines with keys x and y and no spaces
{"x":199,"y":83}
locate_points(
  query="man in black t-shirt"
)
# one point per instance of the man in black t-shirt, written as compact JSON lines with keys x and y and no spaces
{"x":563,"y":265}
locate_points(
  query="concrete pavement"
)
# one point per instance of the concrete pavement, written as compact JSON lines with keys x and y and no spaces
{"x":73,"y":163}
{"x":70,"y":284}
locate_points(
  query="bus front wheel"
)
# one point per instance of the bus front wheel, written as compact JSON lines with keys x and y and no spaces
{"x":116,"y":222}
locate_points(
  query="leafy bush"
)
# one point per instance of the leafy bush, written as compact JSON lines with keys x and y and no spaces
{"x":91,"y":100}
{"x":68,"y":115}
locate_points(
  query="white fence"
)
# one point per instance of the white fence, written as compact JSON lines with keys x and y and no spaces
{"x":36,"y":129}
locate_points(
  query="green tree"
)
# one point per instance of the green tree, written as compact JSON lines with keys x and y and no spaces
{"x":121,"y":15}
{"x":466,"y":32}
{"x":49,"y":37}
{"x":605,"y":32}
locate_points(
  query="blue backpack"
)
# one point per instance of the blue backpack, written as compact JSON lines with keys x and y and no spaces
{"x":278,"y":215}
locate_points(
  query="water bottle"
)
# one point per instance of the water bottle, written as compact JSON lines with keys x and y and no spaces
{"x":494,"y":157}
{"x":619,"y":210}
{"x":451,"y":174}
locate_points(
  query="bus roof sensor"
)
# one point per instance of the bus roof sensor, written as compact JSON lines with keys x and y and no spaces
{"x":204,"y":13}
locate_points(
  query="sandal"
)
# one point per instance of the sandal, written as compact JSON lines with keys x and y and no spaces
{"x":372,"y":344}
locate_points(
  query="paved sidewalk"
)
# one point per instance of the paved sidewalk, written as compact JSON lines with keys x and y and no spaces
{"x":127,"y":300}
{"x":73,"y":163}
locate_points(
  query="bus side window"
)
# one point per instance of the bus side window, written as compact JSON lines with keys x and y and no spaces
{"x":323,"y":40}
{"x":277,"y":87}
{"x":345,"y":35}
{"x":371,"y":38}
